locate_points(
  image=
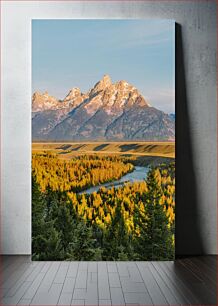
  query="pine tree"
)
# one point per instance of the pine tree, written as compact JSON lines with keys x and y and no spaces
{"x":155,"y":241}
{"x":116,"y":241}
{"x":45,"y":239}
{"x":38,"y":206}
{"x":64,"y":219}
{"x":83,"y":245}
{"x":49,"y":244}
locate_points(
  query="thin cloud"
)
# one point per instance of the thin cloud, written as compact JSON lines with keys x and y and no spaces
{"x":153,"y":32}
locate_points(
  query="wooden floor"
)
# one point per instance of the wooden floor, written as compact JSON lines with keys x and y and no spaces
{"x":188,"y":281}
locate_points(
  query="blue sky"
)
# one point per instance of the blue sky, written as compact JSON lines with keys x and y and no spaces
{"x":77,"y":53}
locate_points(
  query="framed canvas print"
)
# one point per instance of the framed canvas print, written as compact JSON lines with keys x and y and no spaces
{"x":103,"y":139}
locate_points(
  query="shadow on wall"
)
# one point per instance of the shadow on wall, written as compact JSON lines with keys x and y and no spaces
{"x":188,"y":228}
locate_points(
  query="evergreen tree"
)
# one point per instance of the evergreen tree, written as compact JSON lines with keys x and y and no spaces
{"x":155,"y":241}
{"x":49,"y":244}
{"x":117,"y":244}
{"x":131,"y":222}
{"x":38,"y":205}
{"x":45,"y":239}
{"x":64,"y":220}
{"x":83,"y":245}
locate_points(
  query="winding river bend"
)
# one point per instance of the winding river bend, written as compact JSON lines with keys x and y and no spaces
{"x":138,"y":174}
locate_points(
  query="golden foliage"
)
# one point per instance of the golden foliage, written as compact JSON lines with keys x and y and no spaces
{"x":99,"y":207}
{"x":79,"y":173}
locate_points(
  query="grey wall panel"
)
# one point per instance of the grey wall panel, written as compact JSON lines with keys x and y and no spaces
{"x":196,"y":113}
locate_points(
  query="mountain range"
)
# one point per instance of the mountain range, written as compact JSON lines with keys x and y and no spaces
{"x":108,"y":111}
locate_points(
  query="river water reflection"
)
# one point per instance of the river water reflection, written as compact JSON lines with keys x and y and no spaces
{"x":139,"y":174}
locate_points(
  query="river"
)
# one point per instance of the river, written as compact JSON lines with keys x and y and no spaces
{"x":138,"y":174}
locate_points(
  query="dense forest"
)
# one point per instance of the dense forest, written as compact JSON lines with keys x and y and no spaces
{"x":132,"y":222}
{"x":79,"y":173}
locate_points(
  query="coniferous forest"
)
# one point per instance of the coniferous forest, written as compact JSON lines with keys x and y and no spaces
{"x":134,"y":221}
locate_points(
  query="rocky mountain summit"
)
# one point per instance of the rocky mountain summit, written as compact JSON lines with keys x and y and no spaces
{"x":108,"y":111}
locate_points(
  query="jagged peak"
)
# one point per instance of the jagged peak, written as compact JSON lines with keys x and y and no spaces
{"x":43,"y":101}
{"x":37,"y":94}
{"x":106,"y":79}
{"x":73,"y":94}
{"x":75,"y":91}
{"x":118,"y":95}
{"x":103,"y":83}
{"x":123,"y":84}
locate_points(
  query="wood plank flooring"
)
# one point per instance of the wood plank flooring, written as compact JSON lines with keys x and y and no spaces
{"x":187,"y":281}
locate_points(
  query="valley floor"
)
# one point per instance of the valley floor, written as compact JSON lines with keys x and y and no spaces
{"x":141,"y":150}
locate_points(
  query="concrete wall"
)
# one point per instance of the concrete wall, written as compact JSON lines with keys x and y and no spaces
{"x":196,"y":113}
